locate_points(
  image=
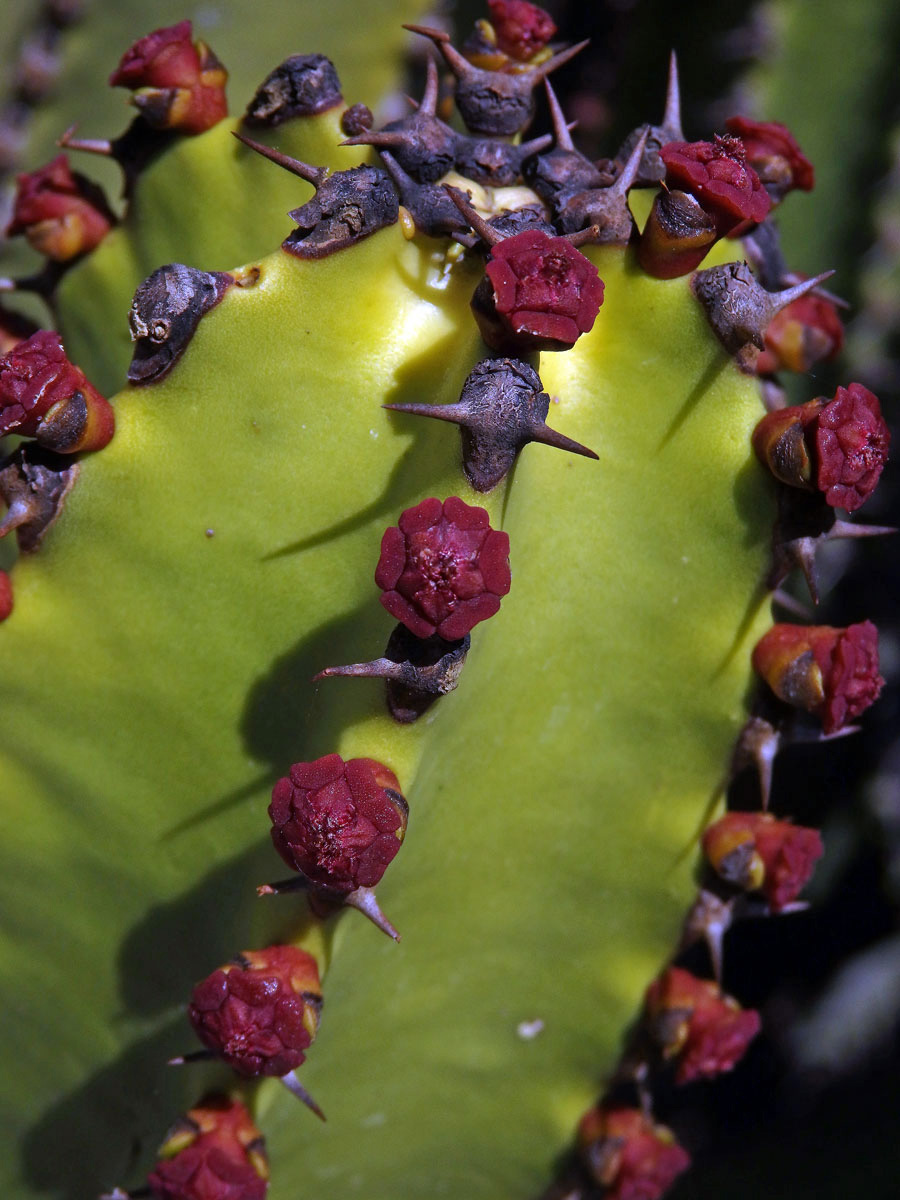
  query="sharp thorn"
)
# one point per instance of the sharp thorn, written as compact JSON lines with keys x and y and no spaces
{"x":364,"y":900}
{"x":454,"y":413}
{"x":550,"y":437}
{"x":562,"y":56}
{"x":100,"y":146}
{"x":293,"y":1085}
{"x":780,"y":300}
{"x":560,"y":128}
{"x":486,"y":232}
{"x":671,"y":121}
{"x":297,"y":883}
{"x":632,"y":165}
{"x":379,"y":668}
{"x":313,"y":175}
{"x":182,"y":1060}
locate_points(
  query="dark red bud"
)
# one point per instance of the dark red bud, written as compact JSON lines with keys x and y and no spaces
{"x":61,"y":213}
{"x":628,"y":1155}
{"x":522,"y":29}
{"x":838,"y":446}
{"x":214,"y":1152}
{"x":696,"y":1025}
{"x":773,"y":153}
{"x":261,"y":1012}
{"x":831,"y":673}
{"x":44,"y":396}
{"x":539,"y":293}
{"x":805,"y":332}
{"x":338,"y":823}
{"x":717,"y":174}
{"x":756,"y":852}
{"x":442,"y":568}
{"x":178,"y":84}
{"x":6,"y":595}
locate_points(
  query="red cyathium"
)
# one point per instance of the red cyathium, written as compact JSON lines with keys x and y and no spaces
{"x":442,"y":568}
{"x":522,"y":29}
{"x":44,"y":396}
{"x":627,"y":1154}
{"x":805,"y":332}
{"x":338,"y":823}
{"x":830,"y":672}
{"x":716,"y":174}
{"x":6,"y":595}
{"x":852,"y":442}
{"x":177,"y":83}
{"x":773,"y":153}
{"x":214,"y":1152}
{"x":838,"y":447}
{"x":539,"y":293}
{"x":696,"y":1025}
{"x":61,"y":213}
{"x":261,"y":1012}
{"x":757,"y":852}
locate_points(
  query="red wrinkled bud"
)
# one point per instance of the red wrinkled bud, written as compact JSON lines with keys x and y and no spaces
{"x":852,"y":443}
{"x":773,"y":153}
{"x":61,"y":213}
{"x":214,"y":1152}
{"x":6,"y":595}
{"x":628,"y":1155}
{"x":756,"y":852}
{"x":805,"y":332}
{"x":178,"y":84}
{"x":838,"y":447}
{"x":44,"y":396}
{"x":442,"y":568}
{"x":539,"y":293}
{"x":339,"y":823}
{"x":522,"y":29}
{"x":831,"y":673}
{"x":261,"y":1012}
{"x":695,"y":1024}
{"x":717,"y":176}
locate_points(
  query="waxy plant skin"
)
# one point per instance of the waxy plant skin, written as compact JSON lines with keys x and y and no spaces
{"x":258,"y":617}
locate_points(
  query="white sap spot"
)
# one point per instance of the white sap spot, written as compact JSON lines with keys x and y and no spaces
{"x":373,"y":433}
{"x":685,"y":559}
{"x":529,"y":1030}
{"x":373,"y":1120}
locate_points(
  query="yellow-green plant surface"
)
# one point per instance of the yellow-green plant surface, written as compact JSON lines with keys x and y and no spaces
{"x":157,"y":673}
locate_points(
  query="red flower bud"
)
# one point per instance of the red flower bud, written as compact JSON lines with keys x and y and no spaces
{"x":442,"y":568}
{"x":339,"y":824}
{"x":522,"y":29}
{"x":61,"y":213}
{"x":44,"y":396}
{"x":832,"y":673}
{"x":214,"y":1152}
{"x":6,"y":595}
{"x":717,"y":175}
{"x":260,"y":1012}
{"x":539,"y":293}
{"x":773,"y":153}
{"x":838,"y":447}
{"x":852,"y":443}
{"x":178,"y":84}
{"x":694,"y":1023}
{"x":629,"y":1156}
{"x":756,"y":852}
{"x":803,"y":333}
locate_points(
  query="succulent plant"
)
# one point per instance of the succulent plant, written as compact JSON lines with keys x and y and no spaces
{"x":585,"y":656}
